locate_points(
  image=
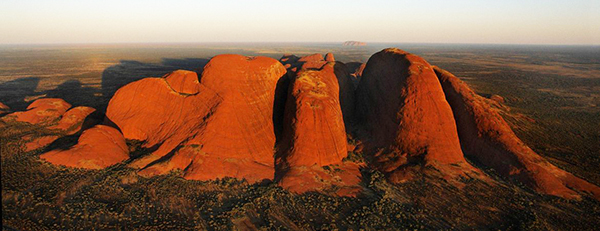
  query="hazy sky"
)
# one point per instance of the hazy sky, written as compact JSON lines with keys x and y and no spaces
{"x":463,"y":21}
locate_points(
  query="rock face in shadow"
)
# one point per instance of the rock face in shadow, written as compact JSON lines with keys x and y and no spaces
{"x":408,"y":125}
{"x":97,"y":148}
{"x":313,"y":133}
{"x":487,"y":138}
{"x":224,"y":123}
{"x":4,"y":109}
{"x":347,"y":95}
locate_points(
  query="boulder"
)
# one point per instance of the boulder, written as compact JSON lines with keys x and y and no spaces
{"x":98,"y":147}
{"x":488,"y":139}
{"x":407,"y":122}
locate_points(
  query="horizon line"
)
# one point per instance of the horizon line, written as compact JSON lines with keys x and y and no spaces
{"x":295,"y":42}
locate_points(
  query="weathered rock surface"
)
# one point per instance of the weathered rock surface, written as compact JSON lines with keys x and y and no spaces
{"x":153,"y":111}
{"x":72,"y":122}
{"x":41,"y":111}
{"x":345,"y":81}
{"x":407,"y":122}
{"x":314,"y":130}
{"x":223,"y":123}
{"x":313,"y":133}
{"x":97,"y":148}
{"x":487,"y":138}
{"x":52,"y":114}
{"x":314,"y":61}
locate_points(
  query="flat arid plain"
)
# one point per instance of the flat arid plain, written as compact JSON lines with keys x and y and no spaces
{"x":548,"y":95}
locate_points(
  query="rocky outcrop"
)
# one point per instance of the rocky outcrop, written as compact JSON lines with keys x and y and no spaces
{"x":314,"y":130}
{"x":407,"y":122}
{"x":314,"y":61}
{"x":72,"y":122}
{"x":41,"y":111}
{"x":161,"y":115}
{"x":247,"y":118}
{"x":54,"y":115}
{"x":487,"y":138}
{"x":223,"y":122}
{"x":4,"y":109}
{"x":313,"y":133}
{"x":329,"y":57}
{"x":345,"y":81}
{"x":97,"y":148}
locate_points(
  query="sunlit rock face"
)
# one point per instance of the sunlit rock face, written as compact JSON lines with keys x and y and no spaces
{"x":487,"y":138}
{"x":219,"y":126}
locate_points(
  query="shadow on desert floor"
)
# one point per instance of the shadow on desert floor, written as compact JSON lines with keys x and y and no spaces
{"x":19,"y":93}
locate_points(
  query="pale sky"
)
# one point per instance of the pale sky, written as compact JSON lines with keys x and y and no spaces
{"x":395,"y":21}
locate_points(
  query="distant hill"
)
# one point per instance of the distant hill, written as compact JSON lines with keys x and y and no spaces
{"x":354,"y":43}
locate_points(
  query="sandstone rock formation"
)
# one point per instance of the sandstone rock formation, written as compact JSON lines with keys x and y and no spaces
{"x":97,"y":148}
{"x":71,"y":122}
{"x":52,"y":114}
{"x":408,"y":125}
{"x":4,"y":109}
{"x":41,"y":111}
{"x":345,"y":82}
{"x":314,"y":61}
{"x":313,"y":134}
{"x":247,"y":118}
{"x":329,"y":57}
{"x":314,"y":130}
{"x":487,"y":138}
{"x":223,"y":123}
